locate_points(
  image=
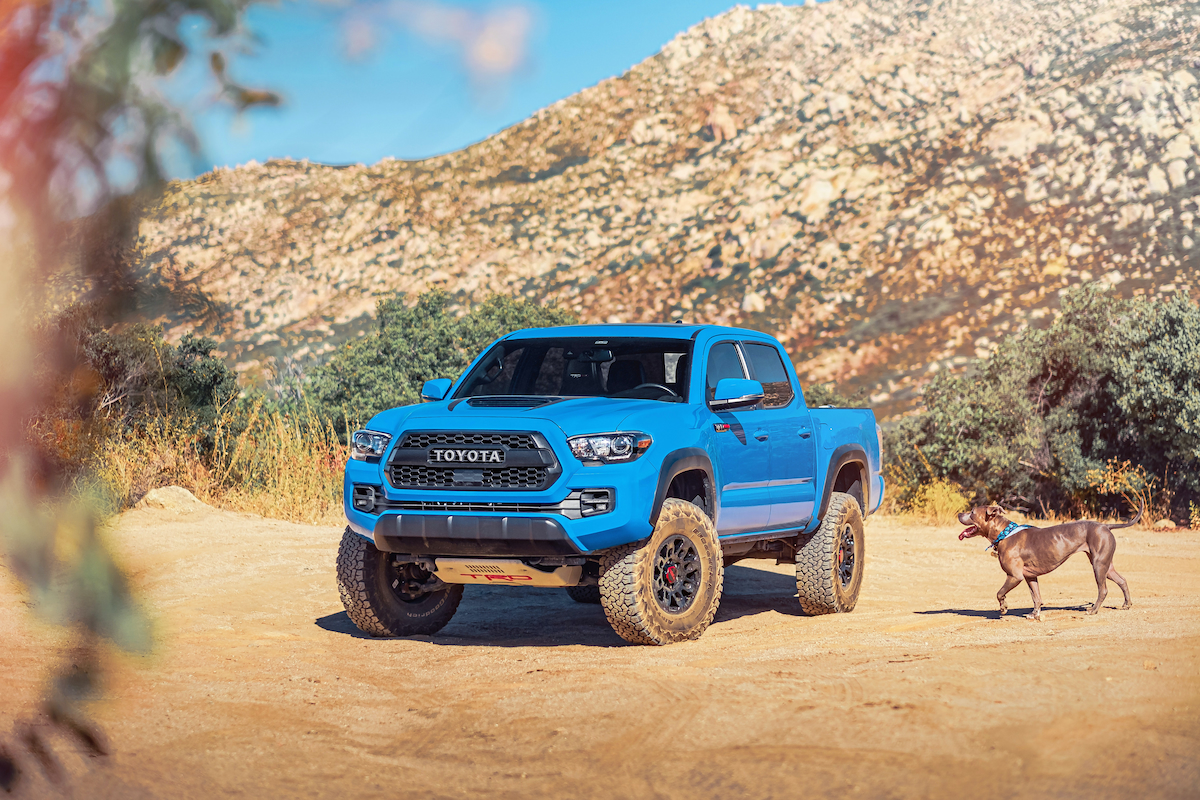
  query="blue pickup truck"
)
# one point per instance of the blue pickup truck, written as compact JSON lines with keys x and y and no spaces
{"x":627,"y":464}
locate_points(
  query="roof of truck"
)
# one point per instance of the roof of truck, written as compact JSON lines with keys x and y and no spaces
{"x":654,"y":330}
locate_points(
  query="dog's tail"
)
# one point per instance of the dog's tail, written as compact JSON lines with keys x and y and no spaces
{"x":1133,"y":521}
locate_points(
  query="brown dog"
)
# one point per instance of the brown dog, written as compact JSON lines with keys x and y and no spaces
{"x":1027,"y":552}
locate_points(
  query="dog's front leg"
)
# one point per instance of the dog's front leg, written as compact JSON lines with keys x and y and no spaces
{"x":1009,"y":583}
{"x":1036,"y":592}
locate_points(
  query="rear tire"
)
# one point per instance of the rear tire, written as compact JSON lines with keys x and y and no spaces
{"x":585,"y":594}
{"x":666,"y":589}
{"x":829,"y":566}
{"x":383,"y":598}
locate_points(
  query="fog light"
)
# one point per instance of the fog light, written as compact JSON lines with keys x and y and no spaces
{"x":364,"y":498}
{"x":595,"y":501}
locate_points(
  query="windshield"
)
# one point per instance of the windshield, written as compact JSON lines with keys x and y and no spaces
{"x":650,"y":369}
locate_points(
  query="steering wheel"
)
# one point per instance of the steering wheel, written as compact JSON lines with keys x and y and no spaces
{"x":484,"y":378}
{"x":666,"y":389}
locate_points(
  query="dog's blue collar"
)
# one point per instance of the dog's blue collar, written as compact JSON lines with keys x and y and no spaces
{"x":1008,"y":531}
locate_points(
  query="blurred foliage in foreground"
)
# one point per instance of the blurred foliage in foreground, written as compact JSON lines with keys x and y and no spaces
{"x":82,"y":132}
{"x":1088,"y":416}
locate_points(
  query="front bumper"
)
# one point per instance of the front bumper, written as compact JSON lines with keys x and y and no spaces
{"x":554,"y":529}
{"x":472,"y":535}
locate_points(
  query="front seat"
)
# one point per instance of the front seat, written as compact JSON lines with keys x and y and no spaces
{"x":580,"y":379}
{"x":624,"y":375}
{"x":681,"y":374}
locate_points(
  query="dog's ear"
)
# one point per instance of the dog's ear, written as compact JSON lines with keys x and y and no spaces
{"x":993,"y":511}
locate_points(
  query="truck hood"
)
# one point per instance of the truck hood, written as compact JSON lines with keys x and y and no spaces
{"x":572,"y":416}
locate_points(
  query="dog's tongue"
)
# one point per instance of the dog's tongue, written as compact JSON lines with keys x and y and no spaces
{"x":966,"y":533}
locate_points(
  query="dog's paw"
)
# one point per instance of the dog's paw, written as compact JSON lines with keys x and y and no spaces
{"x":1034,"y":617}
{"x":1127,"y":606}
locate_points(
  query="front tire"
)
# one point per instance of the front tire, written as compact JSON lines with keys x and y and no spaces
{"x":666,"y":589}
{"x":829,"y":566}
{"x":386,"y":599}
{"x":589,"y":594}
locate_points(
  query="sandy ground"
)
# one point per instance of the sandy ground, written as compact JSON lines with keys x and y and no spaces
{"x":261,"y":687}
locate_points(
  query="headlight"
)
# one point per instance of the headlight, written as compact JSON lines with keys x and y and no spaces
{"x":368,"y":444}
{"x":609,"y":448}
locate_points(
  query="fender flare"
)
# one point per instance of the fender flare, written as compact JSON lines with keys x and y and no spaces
{"x":846,"y":454}
{"x":677,"y":462}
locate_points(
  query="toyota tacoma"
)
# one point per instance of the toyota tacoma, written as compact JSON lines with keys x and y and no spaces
{"x":626,"y":464}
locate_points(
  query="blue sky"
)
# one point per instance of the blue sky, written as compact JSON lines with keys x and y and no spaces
{"x":409,"y":97}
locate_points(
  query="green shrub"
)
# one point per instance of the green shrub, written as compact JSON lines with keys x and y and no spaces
{"x":126,"y":379}
{"x":1109,"y":381}
{"x":412,"y":344}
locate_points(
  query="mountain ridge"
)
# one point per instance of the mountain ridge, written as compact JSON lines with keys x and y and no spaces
{"x":887,"y":187}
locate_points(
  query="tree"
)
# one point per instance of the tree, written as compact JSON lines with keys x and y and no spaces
{"x":1110,"y":381}
{"x":412,"y":344}
{"x":1156,"y":388}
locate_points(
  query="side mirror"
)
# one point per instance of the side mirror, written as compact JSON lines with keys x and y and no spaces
{"x":435,"y":389}
{"x":735,"y":393}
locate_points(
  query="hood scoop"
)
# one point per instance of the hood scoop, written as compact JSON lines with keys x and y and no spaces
{"x":509,"y":401}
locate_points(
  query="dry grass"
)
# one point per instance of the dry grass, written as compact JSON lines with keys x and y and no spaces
{"x":285,"y":467}
{"x":913,"y":493}
{"x":1132,"y":483}
{"x":278,"y":465}
{"x":938,"y":502}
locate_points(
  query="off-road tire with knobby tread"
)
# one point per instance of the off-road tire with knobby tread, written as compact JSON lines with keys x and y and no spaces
{"x":627,"y":591}
{"x":365,"y":579}
{"x":585,"y":594}
{"x":818,"y":584}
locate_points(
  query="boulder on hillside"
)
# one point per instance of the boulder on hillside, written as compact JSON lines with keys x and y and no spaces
{"x":172,"y":498}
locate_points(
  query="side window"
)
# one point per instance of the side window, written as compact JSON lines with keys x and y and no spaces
{"x":723,"y":362}
{"x":767,"y":366}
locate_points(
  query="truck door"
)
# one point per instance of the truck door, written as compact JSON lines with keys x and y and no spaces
{"x":742,"y":445}
{"x":792,"y":438}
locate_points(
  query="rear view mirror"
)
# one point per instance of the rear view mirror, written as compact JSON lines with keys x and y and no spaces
{"x":735,"y":393}
{"x":590,"y":356}
{"x":435,"y":389}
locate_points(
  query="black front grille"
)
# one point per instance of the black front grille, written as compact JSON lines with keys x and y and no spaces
{"x":513,"y":441}
{"x":405,"y":476}
{"x":515,"y":477}
{"x":528,"y":462}
{"x":409,"y":475}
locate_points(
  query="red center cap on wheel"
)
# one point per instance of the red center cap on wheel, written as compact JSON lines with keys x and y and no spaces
{"x":670,"y":573}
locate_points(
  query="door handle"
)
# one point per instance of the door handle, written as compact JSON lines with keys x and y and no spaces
{"x":762,"y":436}
{"x":805,"y":433}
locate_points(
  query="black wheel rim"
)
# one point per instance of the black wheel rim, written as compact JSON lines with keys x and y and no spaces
{"x":407,"y":582}
{"x":845,"y":555}
{"x":677,"y":574}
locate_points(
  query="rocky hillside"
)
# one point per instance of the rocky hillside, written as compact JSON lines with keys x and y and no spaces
{"x":886,"y":186}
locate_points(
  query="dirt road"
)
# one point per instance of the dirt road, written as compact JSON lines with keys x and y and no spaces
{"x":261,"y":687}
